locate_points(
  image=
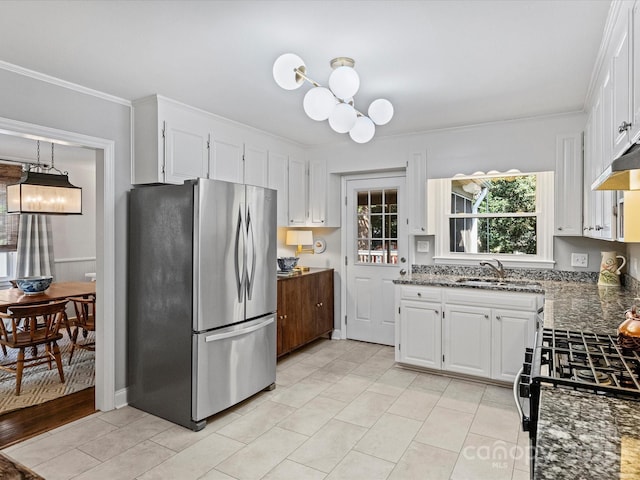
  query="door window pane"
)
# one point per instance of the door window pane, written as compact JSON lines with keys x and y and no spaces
{"x":377,"y":241}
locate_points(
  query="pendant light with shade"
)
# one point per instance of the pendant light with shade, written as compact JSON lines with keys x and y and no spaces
{"x":41,"y":192}
{"x":335,"y":103}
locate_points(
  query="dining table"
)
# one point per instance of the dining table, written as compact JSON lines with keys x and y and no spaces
{"x":13,"y":297}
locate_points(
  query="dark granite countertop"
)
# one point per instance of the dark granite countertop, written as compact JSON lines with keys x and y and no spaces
{"x":581,"y":435}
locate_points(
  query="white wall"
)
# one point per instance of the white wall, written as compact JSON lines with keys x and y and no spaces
{"x":38,"y":102}
{"x":528,"y":145}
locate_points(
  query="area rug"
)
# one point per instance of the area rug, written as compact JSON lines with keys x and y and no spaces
{"x":10,"y":470}
{"x":39,"y":384}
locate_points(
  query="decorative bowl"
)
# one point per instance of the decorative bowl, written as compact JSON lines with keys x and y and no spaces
{"x":286,"y":264}
{"x":34,"y":285}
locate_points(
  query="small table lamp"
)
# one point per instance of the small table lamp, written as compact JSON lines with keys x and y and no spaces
{"x":300,"y":238}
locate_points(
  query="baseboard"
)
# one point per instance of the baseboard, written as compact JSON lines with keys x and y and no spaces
{"x":336,"y":335}
{"x":121,"y":398}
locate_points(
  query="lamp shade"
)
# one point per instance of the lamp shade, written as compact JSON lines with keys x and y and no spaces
{"x":284,"y":71}
{"x":381,"y":111}
{"x":299,"y":237}
{"x":44,"y":193}
{"x":344,"y":82}
{"x":363,"y":130}
{"x":319,"y":103}
{"x":343,"y":118}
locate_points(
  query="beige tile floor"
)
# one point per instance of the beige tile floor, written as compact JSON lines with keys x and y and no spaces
{"x":341,"y":410}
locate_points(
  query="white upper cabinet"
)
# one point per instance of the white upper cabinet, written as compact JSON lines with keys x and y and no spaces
{"x":317,"y":193}
{"x":297,"y":192}
{"x":171,"y":142}
{"x":621,"y":78}
{"x":256,"y":164}
{"x":226,"y":158}
{"x":278,"y":180}
{"x":635,"y":72}
{"x":417,"y":193}
{"x":568,"y":185}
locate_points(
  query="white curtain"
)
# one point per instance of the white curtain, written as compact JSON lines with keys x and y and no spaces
{"x":35,"y":247}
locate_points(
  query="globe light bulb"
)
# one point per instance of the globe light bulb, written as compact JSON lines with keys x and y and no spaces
{"x":343,"y":117}
{"x":284,"y":71}
{"x":344,"y":82}
{"x":363,"y":130}
{"x":318,"y":103}
{"x":381,"y":111}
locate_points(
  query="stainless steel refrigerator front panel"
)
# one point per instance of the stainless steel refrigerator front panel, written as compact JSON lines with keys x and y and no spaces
{"x":231,"y":364}
{"x":219,"y":254}
{"x":261,"y":251}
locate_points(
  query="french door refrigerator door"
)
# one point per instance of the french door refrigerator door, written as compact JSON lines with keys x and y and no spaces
{"x":219,"y":254}
{"x":261,"y":281}
{"x":232,"y":364}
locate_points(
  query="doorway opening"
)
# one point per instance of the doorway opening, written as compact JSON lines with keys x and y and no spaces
{"x":105,"y":245}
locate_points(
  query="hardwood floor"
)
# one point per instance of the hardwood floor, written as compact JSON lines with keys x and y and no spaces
{"x":27,"y":422}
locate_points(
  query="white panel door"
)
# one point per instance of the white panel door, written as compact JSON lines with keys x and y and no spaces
{"x":420,"y":334}
{"x":376,"y":242}
{"x":466,"y":342}
{"x":512,"y":332}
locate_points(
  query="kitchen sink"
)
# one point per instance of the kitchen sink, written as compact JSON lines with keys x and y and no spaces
{"x":491,"y":282}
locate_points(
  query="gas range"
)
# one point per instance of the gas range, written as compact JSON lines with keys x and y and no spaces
{"x":586,"y":361}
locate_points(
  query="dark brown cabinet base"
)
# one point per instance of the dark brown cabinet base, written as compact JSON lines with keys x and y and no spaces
{"x":305,"y":308}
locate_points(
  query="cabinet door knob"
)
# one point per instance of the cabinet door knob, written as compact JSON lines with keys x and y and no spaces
{"x":560,"y":228}
{"x":624,"y":126}
{"x":486,"y":316}
{"x":403,"y":272}
{"x":422,"y":228}
{"x":419,"y":294}
{"x":498,"y":317}
{"x":285,"y":316}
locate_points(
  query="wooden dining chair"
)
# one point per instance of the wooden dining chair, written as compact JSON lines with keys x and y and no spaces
{"x":85,"y":322}
{"x":31,"y":326}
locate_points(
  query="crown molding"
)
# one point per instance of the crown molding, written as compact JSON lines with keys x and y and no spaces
{"x":63,"y":83}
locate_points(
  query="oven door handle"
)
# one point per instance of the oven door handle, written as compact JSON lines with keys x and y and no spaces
{"x":516,"y":398}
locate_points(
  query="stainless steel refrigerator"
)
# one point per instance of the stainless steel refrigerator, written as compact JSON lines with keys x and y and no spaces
{"x":201,"y":331}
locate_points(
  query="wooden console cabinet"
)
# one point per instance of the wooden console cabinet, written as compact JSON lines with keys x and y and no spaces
{"x":305,"y":308}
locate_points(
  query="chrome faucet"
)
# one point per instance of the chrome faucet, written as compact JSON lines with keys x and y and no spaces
{"x":499,"y":269}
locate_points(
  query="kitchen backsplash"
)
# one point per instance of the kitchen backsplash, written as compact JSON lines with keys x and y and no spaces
{"x":524,"y":273}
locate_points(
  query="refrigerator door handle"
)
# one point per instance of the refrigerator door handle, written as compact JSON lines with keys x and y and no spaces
{"x":240,"y":253}
{"x":251,"y":244}
{"x":237,"y":333}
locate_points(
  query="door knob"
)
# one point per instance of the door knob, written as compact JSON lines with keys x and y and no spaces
{"x":403,"y":260}
{"x":403,"y":272}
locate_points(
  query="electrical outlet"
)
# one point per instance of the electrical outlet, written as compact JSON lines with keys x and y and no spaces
{"x":423,"y":246}
{"x":579,"y":260}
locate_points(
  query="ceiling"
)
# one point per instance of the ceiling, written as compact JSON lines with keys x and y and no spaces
{"x":441,"y":63}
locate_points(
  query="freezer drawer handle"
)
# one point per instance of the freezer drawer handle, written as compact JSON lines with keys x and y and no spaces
{"x":237,"y":333}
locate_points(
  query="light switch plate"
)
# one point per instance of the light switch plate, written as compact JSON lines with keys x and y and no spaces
{"x":579,"y":260}
{"x":423,"y":246}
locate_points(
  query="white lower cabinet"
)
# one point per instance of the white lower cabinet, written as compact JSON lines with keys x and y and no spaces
{"x":467,"y":331}
{"x":419,"y":343}
{"x":466,"y":340}
{"x":512,"y":332}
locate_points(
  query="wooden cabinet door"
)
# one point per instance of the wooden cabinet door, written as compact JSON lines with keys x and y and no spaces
{"x":620,"y":64}
{"x":278,"y":178}
{"x":255,"y":166}
{"x":324,"y":304}
{"x":288,"y":315}
{"x":317,"y":192}
{"x":417,"y":193}
{"x":308,"y":307}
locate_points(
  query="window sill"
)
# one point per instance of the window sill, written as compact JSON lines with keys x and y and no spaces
{"x":509,"y":262}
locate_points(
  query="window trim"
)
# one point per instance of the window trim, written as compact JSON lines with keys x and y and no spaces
{"x":440,"y":213}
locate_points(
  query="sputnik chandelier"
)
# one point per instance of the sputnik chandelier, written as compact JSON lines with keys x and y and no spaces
{"x":336,"y":102}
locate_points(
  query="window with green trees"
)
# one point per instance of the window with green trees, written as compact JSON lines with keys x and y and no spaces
{"x":495,"y":215}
